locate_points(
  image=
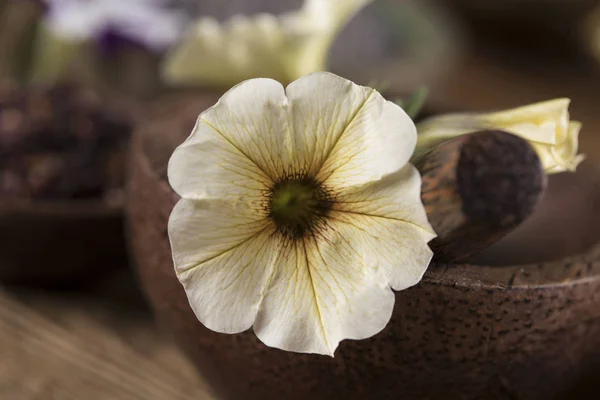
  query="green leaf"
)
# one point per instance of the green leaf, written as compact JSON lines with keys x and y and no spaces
{"x":380,"y":86}
{"x":414,"y":104}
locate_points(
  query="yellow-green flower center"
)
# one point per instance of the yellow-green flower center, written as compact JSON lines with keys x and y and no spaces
{"x":298,"y":206}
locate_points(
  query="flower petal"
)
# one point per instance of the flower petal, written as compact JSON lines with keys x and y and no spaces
{"x":224,"y":261}
{"x":321,"y":293}
{"x":347,"y":134}
{"x":544,"y":123}
{"x":393,"y":223}
{"x":537,"y":122}
{"x":238,"y":146}
{"x":562,"y":157}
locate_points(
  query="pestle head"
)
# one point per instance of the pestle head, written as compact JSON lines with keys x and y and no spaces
{"x":476,"y":189}
{"x":499,"y":178}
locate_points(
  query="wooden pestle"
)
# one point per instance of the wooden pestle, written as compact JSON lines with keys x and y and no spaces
{"x":476,"y":189}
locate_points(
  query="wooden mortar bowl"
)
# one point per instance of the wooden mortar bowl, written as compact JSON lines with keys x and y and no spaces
{"x":464,"y":332}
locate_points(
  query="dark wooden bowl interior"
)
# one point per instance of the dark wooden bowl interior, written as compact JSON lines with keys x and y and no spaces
{"x":465,"y":332}
{"x":566,"y":222}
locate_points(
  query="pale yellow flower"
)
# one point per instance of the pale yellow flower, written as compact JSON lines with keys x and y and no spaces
{"x":283,"y":47}
{"x":545,"y":125}
{"x":299,"y":213}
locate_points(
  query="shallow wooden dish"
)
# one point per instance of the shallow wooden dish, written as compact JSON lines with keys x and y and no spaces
{"x":465,"y":332}
{"x":59,"y":243}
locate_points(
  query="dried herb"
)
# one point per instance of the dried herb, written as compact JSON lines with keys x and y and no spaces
{"x":60,"y":142}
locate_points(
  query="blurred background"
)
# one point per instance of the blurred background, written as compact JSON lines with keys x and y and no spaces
{"x":73,"y":322}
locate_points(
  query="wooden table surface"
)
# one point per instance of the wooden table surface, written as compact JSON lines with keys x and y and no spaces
{"x":62,"y":346}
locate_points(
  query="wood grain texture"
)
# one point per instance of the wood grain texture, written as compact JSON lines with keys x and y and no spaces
{"x":76,"y":347}
{"x":465,"y":332}
{"x":476,"y":189}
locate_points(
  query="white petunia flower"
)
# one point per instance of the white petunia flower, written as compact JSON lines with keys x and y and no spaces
{"x":299,"y":213}
{"x":545,"y":125}
{"x":282,"y":47}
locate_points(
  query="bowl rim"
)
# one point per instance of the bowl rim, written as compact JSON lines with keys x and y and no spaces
{"x":94,"y":207}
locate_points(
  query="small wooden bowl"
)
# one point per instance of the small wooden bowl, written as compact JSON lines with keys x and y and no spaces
{"x":71,"y":234}
{"x":59,"y":243}
{"x":465,"y":332}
